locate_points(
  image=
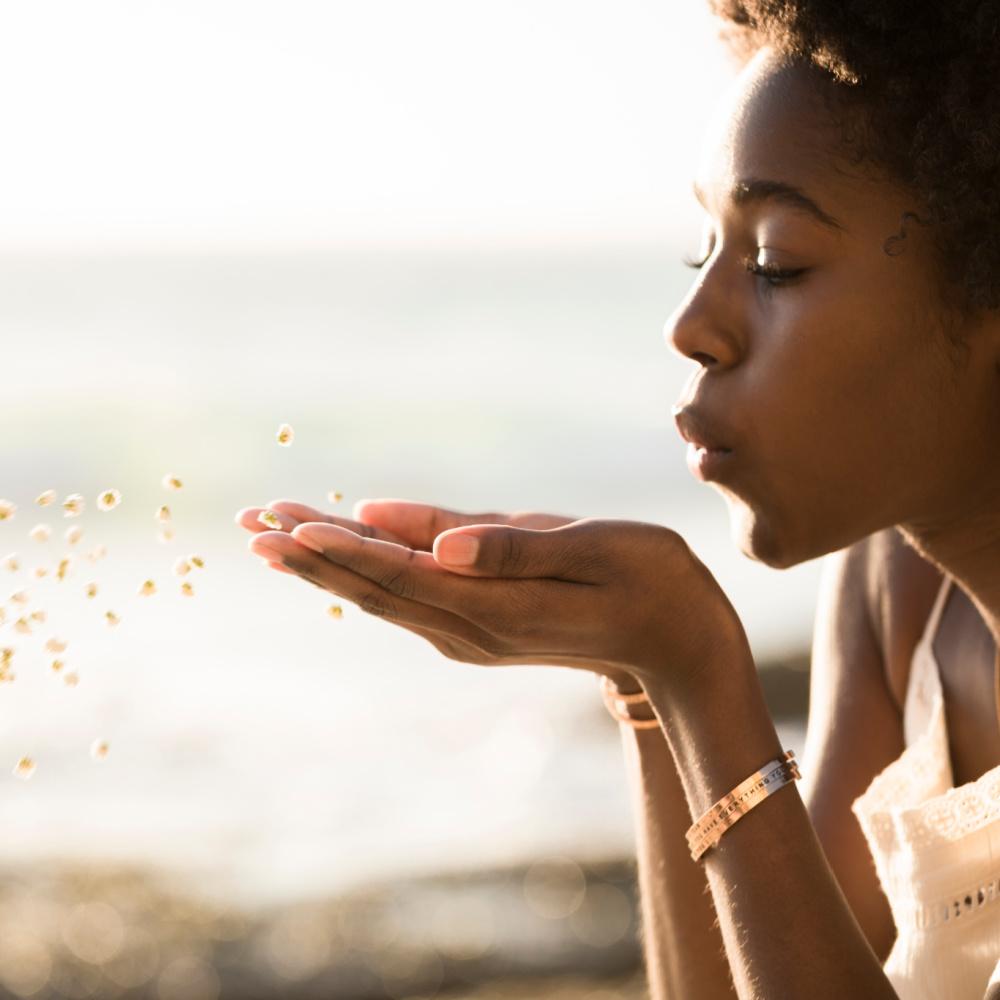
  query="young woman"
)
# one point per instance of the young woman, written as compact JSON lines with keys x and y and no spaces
{"x":846,"y":403}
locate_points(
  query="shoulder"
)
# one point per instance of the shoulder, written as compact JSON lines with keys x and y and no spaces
{"x":899,"y":588}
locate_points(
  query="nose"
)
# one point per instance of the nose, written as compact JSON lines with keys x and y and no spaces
{"x":701,"y":327}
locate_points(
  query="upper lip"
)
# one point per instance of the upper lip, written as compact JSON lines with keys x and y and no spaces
{"x":697,"y":429}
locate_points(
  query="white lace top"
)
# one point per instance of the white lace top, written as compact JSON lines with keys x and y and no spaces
{"x":936,"y":850}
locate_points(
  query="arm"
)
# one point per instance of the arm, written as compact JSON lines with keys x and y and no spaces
{"x":685,"y":957}
{"x":850,"y":705}
{"x":596,"y":592}
{"x":789,"y":930}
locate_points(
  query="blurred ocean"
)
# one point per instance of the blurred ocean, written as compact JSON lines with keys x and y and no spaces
{"x":258,"y":746}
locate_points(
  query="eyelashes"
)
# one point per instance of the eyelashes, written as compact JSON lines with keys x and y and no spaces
{"x":696,"y":264}
{"x":772,"y":274}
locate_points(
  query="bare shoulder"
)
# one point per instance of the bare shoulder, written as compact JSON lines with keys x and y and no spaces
{"x":900,"y":590}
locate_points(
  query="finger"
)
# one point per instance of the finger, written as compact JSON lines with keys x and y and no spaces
{"x":416,"y":524}
{"x":249,"y":518}
{"x":569,"y":553}
{"x":291,"y":513}
{"x":286,"y":552}
{"x":402,"y":571}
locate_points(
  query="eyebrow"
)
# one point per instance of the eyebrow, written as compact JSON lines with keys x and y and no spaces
{"x":755,"y":189}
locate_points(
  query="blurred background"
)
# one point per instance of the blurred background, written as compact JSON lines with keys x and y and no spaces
{"x":439,"y":239}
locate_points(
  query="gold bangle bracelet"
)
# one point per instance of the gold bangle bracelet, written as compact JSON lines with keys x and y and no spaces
{"x":714,"y":822}
{"x":612,"y":698}
{"x":610,"y":690}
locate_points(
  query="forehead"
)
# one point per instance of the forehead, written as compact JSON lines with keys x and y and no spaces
{"x":775,"y":124}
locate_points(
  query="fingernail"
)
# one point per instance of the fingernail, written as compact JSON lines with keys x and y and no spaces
{"x":306,"y":539}
{"x":459,"y":550}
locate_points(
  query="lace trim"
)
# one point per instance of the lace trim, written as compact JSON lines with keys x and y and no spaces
{"x":948,"y":909}
{"x":912,"y":802}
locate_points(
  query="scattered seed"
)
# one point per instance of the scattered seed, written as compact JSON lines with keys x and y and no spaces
{"x":57,"y":665}
{"x":285,"y":435}
{"x":197,"y":561}
{"x":270,"y":519}
{"x":63,"y":568}
{"x":3,"y":616}
{"x":111,"y":618}
{"x":37,"y":616}
{"x":109,"y":499}
{"x":7,"y":510}
{"x":11,"y":563}
{"x":91,"y":590}
{"x":165,"y":535}
{"x":46,"y":498}
{"x":6,"y":655}
{"x":334,"y":497}
{"x":99,"y":749}
{"x":73,"y":505}
{"x":55,"y":645}
{"x":23,"y":626}
{"x":39,"y":572}
{"x":40,"y":533}
{"x":186,"y":589}
{"x":335,"y":611}
{"x":24,"y":768}
{"x":71,"y":679}
{"x":19,"y":597}
{"x":97,"y":552}
{"x":147,"y":589}
{"x":172,"y":483}
{"x":182,"y":567}
{"x":73,"y":534}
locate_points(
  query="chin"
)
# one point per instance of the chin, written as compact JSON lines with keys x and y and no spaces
{"x":765,"y":540}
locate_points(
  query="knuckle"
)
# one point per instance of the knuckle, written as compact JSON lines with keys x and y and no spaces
{"x":375,"y":604}
{"x":399,"y":583}
{"x":511,"y":553}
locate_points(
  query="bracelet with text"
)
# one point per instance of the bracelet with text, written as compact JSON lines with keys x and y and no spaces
{"x":714,"y":822}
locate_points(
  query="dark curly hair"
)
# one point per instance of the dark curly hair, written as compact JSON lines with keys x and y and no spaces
{"x":921,"y":81}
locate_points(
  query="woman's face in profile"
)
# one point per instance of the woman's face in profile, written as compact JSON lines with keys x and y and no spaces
{"x":824,"y":363}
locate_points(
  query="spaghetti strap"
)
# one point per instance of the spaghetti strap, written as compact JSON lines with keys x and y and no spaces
{"x":934,"y":618}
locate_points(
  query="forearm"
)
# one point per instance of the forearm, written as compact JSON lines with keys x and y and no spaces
{"x":789,"y":933}
{"x":685,"y":956}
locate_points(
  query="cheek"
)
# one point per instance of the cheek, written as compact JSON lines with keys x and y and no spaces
{"x":857,"y":368}
{"x":845,"y":410}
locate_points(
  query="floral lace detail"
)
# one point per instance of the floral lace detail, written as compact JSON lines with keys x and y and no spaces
{"x":913,"y":803}
{"x":955,"y":814}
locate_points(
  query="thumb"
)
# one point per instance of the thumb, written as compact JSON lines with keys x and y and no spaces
{"x":499,"y":550}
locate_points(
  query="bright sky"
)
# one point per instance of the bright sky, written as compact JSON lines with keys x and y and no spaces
{"x":325,"y":121}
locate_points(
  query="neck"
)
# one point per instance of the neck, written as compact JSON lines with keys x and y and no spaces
{"x":966,"y":546}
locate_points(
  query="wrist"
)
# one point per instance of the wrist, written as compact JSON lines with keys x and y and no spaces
{"x":719,"y":730}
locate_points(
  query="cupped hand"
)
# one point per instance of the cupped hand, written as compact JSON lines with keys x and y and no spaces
{"x":596,"y":594}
